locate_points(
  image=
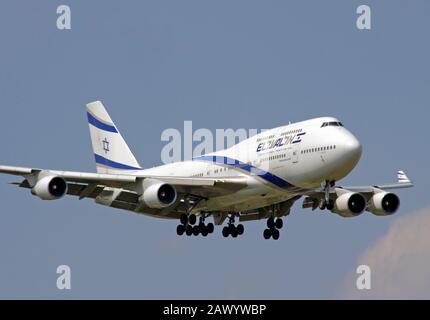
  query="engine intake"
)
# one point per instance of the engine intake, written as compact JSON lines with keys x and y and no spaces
{"x":50,"y":188}
{"x":384,"y":204}
{"x":159,"y":195}
{"x":350,"y":205}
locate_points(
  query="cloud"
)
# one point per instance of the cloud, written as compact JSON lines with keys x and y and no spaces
{"x":399,"y":262}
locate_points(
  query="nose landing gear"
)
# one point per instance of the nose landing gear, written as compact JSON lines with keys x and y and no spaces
{"x":327,"y":203}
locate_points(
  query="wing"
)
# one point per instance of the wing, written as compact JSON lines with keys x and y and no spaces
{"x":90,"y":185}
{"x":403,"y":181}
{"x":317,"y":198}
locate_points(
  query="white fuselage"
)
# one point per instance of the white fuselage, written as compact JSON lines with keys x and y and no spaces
{"x":277,"y":164}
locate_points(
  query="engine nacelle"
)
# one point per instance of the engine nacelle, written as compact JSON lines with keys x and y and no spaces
{"x":50,"y":188}
{"x":350,"y":205}
{"x":159,"y":195}
{"x":384,"y":204}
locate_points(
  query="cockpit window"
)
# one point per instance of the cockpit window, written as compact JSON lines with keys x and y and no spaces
{"x":332,"y":124}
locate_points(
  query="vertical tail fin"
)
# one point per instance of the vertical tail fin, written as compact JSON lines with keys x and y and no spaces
{"x":111,"y":152}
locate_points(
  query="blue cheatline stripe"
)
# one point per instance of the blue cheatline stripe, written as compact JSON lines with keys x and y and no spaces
{"x":279,"y":182}
{"x":113,"y":164}
{"x":98,"y":124}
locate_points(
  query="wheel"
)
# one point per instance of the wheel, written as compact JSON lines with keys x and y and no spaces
{"x":275,"y":234}
{"x":225,"y":232}
{"x":270,"y":223}
{"x":210,"y":227}
{"x":180,"y":229}
{"x":202,"y":228}
{"x":189,"y":230}
{"x":240,"y":229}
{"x":234,"y":233}
{"x":204,"y":232}
{"x":231,"y":228}
{"x":330,"y":205}
{"x":267,"y":234}
{"x":184,"y":219}
{"x":279,"y":223}
{"x":196,"y":230}
{"x":323,"y":206}
{"x":192,"y":219}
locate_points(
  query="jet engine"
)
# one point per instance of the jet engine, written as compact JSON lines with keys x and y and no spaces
{"x":159,"y":195}
{"x":50,"y":188}
{"x":349,"y":205}
{"x":383,"y":204}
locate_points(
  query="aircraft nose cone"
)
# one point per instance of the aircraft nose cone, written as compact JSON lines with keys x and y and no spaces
{"x":352,"y":148}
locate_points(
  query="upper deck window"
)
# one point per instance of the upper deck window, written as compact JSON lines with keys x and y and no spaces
{"x":332,"y":124}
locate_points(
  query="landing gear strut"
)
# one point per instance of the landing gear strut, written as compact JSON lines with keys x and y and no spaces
{"x":327,"y":203}
{"x":273,"y":227}
{"x":188,"y":226}
{"x":231,"y":229}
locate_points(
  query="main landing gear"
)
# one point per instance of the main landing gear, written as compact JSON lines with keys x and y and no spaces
{"x":231,"y":229}
{"x":273,"y":227}
{"x":188,"y":226}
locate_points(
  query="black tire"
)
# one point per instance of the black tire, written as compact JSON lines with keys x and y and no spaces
{"x":225,"y":232}
{"x":234,"y":233}
{"x":204,"y":232}
{"x":210,"y":227}
{"x":189,"y":230}
{"x":180,"y":229}
{"x":196,"y":231}
{"x":184,"y":219}
{"x":231,"y":228}
{"x":192,"y":219}
{"x":270,"y":223}
{"x":279,"y":223}
{"x":203,"y":229}
{"x":240,"y":229}
{"x":267,"y":234}
{"x":330,"y":206}
{"x":275,"y":234}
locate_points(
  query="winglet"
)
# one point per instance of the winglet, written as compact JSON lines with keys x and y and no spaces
{"x":402,"y":177}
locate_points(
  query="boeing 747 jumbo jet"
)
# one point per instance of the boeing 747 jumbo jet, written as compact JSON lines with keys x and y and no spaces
{"x":258,"y":178}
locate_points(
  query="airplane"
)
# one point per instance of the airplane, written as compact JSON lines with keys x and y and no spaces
{"x":258,"y":178}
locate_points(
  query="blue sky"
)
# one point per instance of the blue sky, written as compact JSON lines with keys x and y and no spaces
{"x":221,"y":64}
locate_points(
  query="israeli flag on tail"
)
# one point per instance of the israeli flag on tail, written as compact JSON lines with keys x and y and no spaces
{"x":402,"y":177}
{"x":111,"y":152}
